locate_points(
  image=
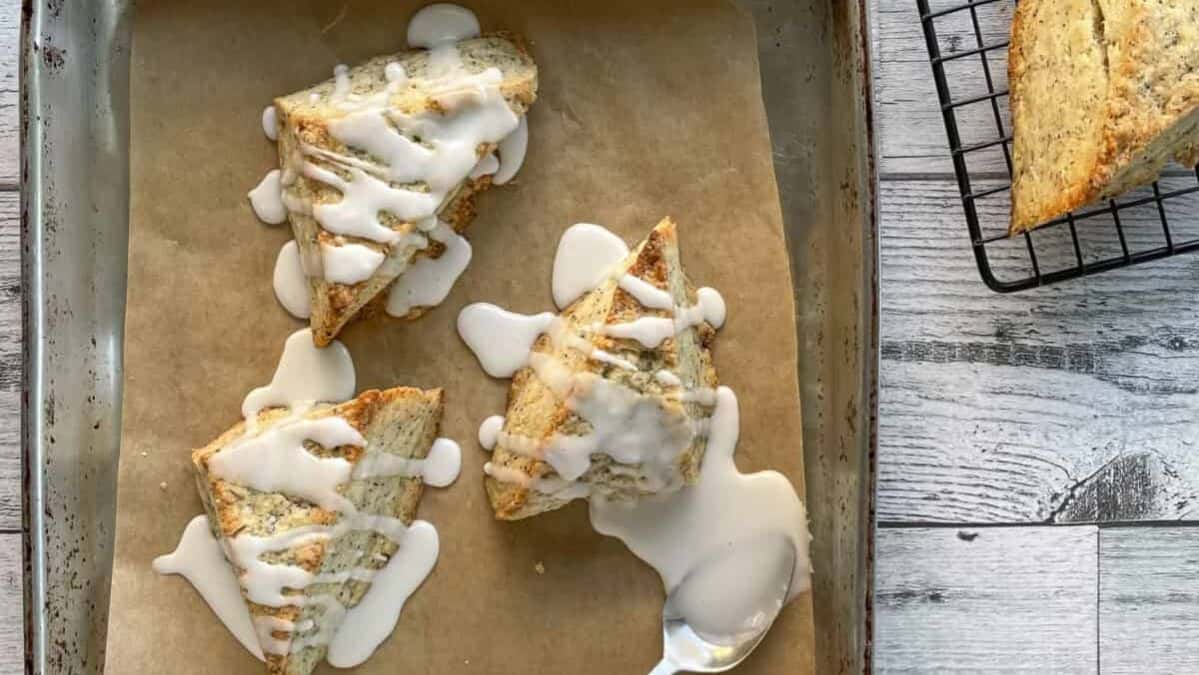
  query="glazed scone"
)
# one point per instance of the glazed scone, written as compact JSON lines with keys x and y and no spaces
{"x":1103,"y":94}
{"x":372,"y":158}
{"x":659,"y":393}
{"x":315,"y":568}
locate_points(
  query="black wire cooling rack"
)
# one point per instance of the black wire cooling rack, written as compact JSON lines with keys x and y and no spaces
{"x":967,"y":47}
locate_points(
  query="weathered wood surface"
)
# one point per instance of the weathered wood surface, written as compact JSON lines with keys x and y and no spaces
{"x":10,"y":364}
{"x":912,"y":138}
{"x":986,"y":600}
{"x":11,"y":636}
{"x":10,"y":31}
{"x":1148,"y":600}
{"x":1075,"y":402}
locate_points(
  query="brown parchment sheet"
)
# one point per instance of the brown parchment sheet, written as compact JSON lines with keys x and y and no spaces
{"x":646,"y":109}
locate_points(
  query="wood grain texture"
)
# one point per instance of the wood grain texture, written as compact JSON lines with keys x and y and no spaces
{"x":1018,"y":599}
{"x":911,"y":128}
{"x":1069,"y":403}
{"x":12,"y":637}
{"x":10,"y":363}
{"x":10,"y":31}
{"x":1148,"y":600}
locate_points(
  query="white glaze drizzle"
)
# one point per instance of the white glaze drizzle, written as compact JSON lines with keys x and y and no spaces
{"x":486,"y":166}
{"x":305,"y":375}
{"x":441,"y":23}
{"x":489,"y":431}
{"x":585,"y":256}
{"x":199,"y":559}
{"x":651,"y":331}
{"x":647,"y":294}
{"x":423,"y":159}
{"x":667,"y":378}
{"x":341,"y":81}
{"x":632,"y":428}
{"x":439,"y":469}
{"x":500,"y":339}
{"x":727,"y":517}
{"x":349,"y":263}
{"x":725,"y":511}
{"x":278,"y":460}
{"x":367,"y":624}
{"x":291,"y":283}
{"x":270,"y":122}
{"x":266,"y":199}
{"x":429,"y":280}
{"x":512,"y":153}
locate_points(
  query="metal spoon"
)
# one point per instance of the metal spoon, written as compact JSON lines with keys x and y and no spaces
{"x":685,"y":648}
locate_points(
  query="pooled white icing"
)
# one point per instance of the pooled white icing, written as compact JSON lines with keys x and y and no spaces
{"x":278,"y":461}
{"x":667,"y":379}
{"x":489,"y":431}
{"x":444,"y":463}
{"x":500,"y":339}
{"x":429,"y":280}
{"x":722,"y":535}
{"x":372,"y":620}
{"x":586,"y":254}
{"x":486,"y":166}
{"x":649,"y":295}
{"x":199,"y":559}
{"x":270,"y":122}
{"x":512,"y":153}
{"x":394,"y":73}
{"x":341,"y":80}
{"x":291,"y":283}
{"x":305,"y":375}
{"x":419,"y":161}
{"x":363,"y":197}
{"x":630,"y":428}
{"x":267,"y":198}
{"x":712,"y":307}
{"x":439,"y":469}
{"x":349,"y":263}
{"x":725,"y":511}
{"x":650,"y":331}
{"x":441,"y":23}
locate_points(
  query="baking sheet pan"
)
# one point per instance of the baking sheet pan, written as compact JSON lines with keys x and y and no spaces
{"x":813,"y":63}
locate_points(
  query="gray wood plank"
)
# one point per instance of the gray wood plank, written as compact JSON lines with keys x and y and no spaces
{"x":10,"y":363}
{"x":10,"y":31}
{"x":1148,"y":600}
{"x":988,"y":600}
{"x":12,"y":638}
{"x":911,"y":129}
{"x":1069,"y":403}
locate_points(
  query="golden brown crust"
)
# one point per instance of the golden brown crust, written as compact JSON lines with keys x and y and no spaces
{"x":1145,"y":73}
{"x":402,"y":421}
{"x":534,"y":412}
{"x":306,"y":123}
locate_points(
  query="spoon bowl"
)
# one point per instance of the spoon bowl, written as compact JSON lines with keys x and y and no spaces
{"x":715,"y":617}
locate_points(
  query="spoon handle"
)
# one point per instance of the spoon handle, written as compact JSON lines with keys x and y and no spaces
{"x":665,"y":667}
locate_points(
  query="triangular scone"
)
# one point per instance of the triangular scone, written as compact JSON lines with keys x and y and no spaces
{"x":345,"y":136}
{"x":1104,"y":94}
{"x":306,"y":548}
{"x":647,"y":403}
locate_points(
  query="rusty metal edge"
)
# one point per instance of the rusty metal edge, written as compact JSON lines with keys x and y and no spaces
{"x":74,"y":228}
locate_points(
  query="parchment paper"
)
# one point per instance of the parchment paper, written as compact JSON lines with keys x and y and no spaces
{"x":647,"y":108}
